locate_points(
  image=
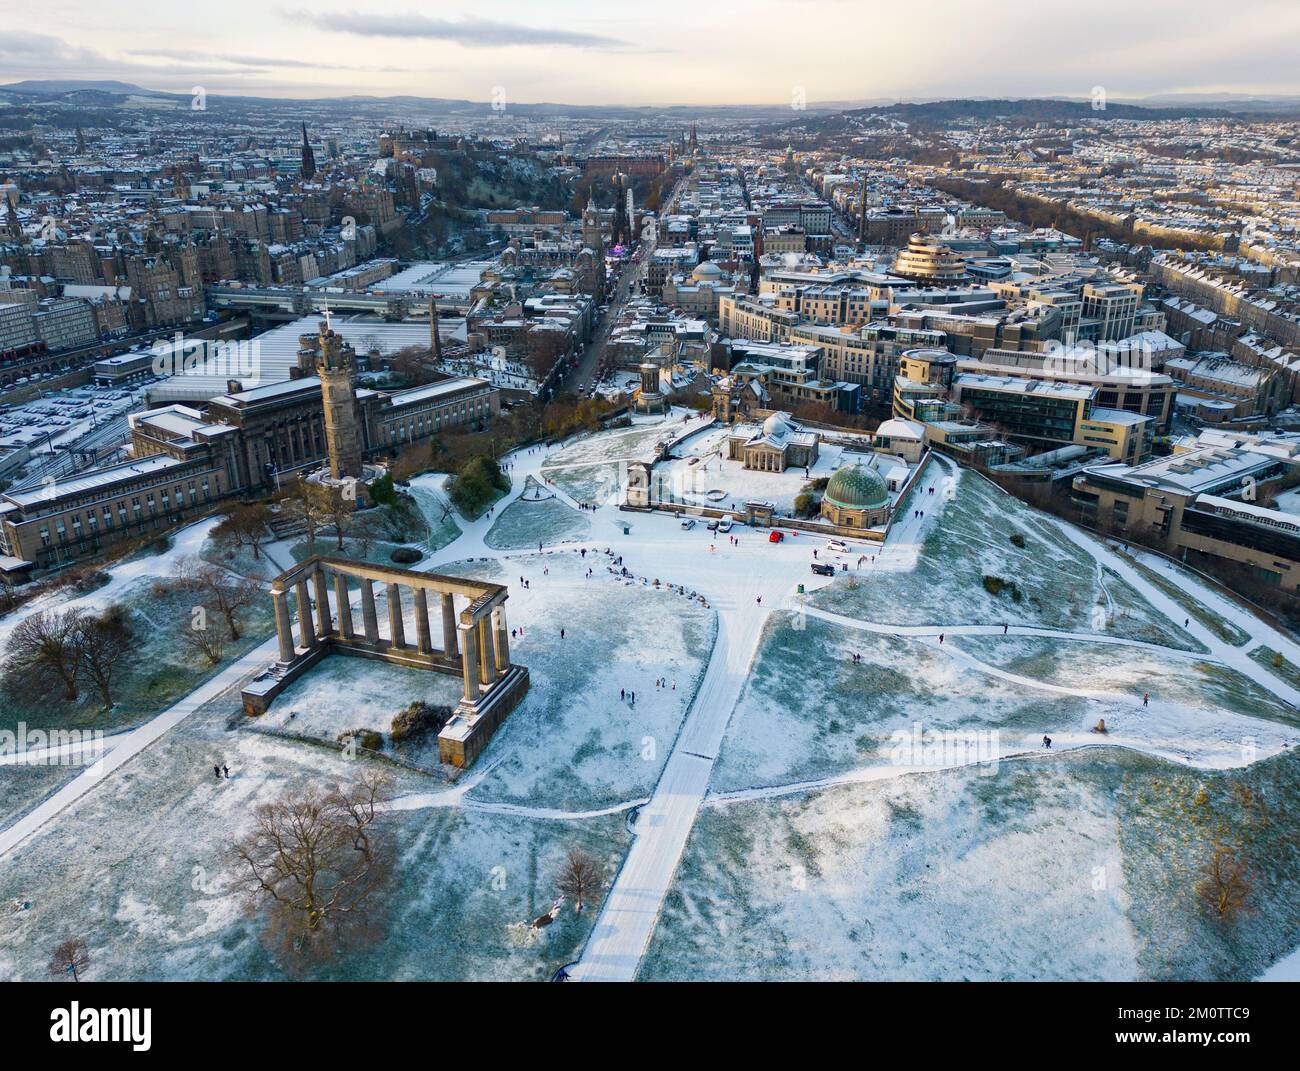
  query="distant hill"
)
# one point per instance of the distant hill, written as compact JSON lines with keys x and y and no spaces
{"x":1037,"y":109}
{"x":57,"y":87}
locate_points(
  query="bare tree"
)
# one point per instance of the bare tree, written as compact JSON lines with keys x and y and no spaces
{"x":1227,"y":883}
{"x":303,"y":504}
{"x":104,"y":640}
{"x":245,"y":526}
{"x":580,"y":878}
{"x":71,"y":957}
{"x":412,"y":364}
{"x":209,"y":642}
{"x":316,"y":859}
{"x":45,"y":649}
{"x":228,"y":595}
{"x":364,"y":531}
{"x":337,"y":504}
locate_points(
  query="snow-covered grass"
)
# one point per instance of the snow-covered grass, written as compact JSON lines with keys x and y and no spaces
{"x":376,"y":552}
{"x":160,"y":667}
{"x":23,"y":787}
{"x":1276,"y":662}
{"x":952,"y":875}
{"x":808,"y":711}
{"x":1083,"y":865}
{"x":141,"y":870}
{"x":434,"y":508}
{"x":588,"y":469}
{"x":1060,"y":586}
{"x":239,"y":559}
{"x":527,"y":522}
{"x":1224,"y":629}
{"x":1131,"y":672}
{"x":573,"y":742}
{"x":343,"y":693}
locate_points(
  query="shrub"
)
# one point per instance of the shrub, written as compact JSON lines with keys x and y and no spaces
{"x":417,"y":719}
{"x":995,"y":586}
{"x":382,"y":491}
{"x":366,"y":738}
{"x":1018,"y":540}
{"x":477,"y":483}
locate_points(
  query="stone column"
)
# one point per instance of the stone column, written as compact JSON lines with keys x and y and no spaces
{"x":487,"y":649}
{"x":283,"y":625}
{"x":502,"y":638}
{"x":304,"y":615}
{"x":422,"y":622}
{"x":343,"y":605}
{"x":368,"y":619}
{"x":449,"y":646}
{"x":396,"y":628}
{"x":469,"y":661}
{"x":323,"y":620}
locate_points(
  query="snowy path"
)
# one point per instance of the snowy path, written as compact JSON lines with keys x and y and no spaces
{"x":935,"y":631}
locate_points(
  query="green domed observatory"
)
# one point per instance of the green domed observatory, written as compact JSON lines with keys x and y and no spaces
{"x":856,"y":497}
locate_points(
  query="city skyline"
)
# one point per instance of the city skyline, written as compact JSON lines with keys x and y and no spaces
{"x":626,"y":56}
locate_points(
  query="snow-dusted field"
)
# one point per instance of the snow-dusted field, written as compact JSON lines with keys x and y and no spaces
{"x":942,"y":876}
{"x":525,"y":524}
{"x":141,"y":870}
{"x":575,"y":742}
{"x":1059,"y":585}
{"x":590,"y":469}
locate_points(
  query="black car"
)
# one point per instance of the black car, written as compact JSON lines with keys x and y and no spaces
{"x":823,"y":569}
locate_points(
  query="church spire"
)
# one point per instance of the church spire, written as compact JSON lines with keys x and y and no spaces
{"x":308,"y":157}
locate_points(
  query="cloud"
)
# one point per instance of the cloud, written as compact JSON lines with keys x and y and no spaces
{"x":253,"y":62}
{"x":35,"y":49}
{"x":469,"y":32}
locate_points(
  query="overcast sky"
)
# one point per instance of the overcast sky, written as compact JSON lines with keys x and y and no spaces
{"x":662,"y":51}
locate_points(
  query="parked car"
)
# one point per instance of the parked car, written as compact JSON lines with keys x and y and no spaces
{"x":838,"y":545}
{"x":776,"y":537}
{"x":688,"y":523}
{"x":724,"y":525}
{"x":823,"y":568}
{"x":712,"y":526}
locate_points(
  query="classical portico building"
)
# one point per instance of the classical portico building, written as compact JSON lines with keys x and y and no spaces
{"x":471,"y":638}
{"x":774,"y":446}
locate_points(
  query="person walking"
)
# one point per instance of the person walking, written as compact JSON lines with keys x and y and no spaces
{"x":226,"y":770}
{"x":1146,"y":698}
{"x":1047,"y":742}
{"x":217,"y":771}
